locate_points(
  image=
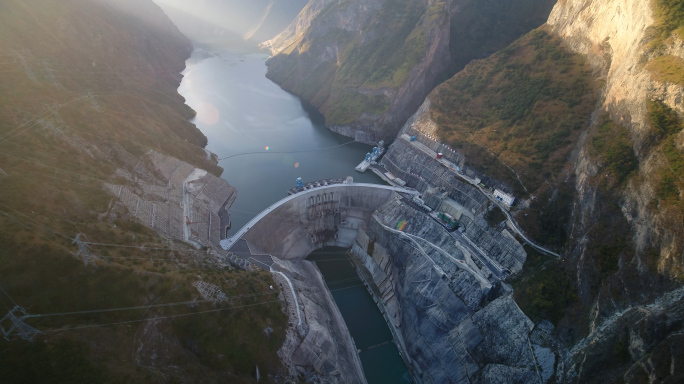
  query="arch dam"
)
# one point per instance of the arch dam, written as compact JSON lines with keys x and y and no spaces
{"x":301,"y":223}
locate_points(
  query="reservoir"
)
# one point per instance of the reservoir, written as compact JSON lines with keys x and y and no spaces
{"x":242,"y":112}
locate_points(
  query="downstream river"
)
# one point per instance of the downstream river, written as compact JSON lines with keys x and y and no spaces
{"x":379,"y":355}
{"x":242,"y":112}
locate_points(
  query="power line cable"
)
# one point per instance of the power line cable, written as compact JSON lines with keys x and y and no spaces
{"x":286,"y":152}
{"x":180,"y":315}
{"x":7,"y":294}
{"x":161,"y":317}
{"x":35,"y":117}
{"x":31,"y":229}
{"x":51,"y":167}
{"x":146,"y":306}
{"x":140,"y":247}
{"x":4,"y":304}
{"x":4,"y":138}
{"x":47,"y":110}
{"x":38,"y":222}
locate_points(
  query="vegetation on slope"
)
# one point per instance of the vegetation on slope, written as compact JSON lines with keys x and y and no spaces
{"x":521,"y":109}
{"x":57,"y":148}
{"x":385,"y":60}
{"x":669,"y":176}
{"x":44,"y":277}
{"x":381,"y":62}
{"x":613,"y":149}
{"x":669,"y":18}
{"x":667,"y":69}
{"x":669,"y":21}
{"x":392,"y":43}
{"x":544,"y":290}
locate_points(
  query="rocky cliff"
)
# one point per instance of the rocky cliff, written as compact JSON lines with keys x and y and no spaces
{"x":453,"y":320}
{"x":367,"y":65}
{"x":608,"y":186}
{"x":628,"y":43}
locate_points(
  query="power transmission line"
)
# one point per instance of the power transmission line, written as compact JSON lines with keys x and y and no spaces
{"x":5,"y":137}
{"x":105,"y":310}
{"x":287,"y":152}
{"x":55,"y":168}
{"x":162,"y":317}
{"x":140,"y":247}
{"x":179,"y":315}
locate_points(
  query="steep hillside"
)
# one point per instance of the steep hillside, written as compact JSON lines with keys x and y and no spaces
{"x":367,"y":65}
{"x":517,"y":114}
{"x":627,"y":263}
{"x":584,"y":117}
{"x":91,"y":129}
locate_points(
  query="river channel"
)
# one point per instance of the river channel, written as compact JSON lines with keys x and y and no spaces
{"x":242,"y":112}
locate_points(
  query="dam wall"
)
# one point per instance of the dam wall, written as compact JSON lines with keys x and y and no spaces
{"x":328,"y":216}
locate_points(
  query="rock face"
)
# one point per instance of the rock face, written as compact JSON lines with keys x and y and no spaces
{"x":171,"y":193}
{"x":453,"y":324}
{"x":617,"y":38}
{"x":614,"y":36}
{"x":367,"y":65}
{"x":624,"y":244}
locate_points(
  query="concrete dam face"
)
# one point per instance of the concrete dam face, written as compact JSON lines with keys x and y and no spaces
{"x":309,"y":220}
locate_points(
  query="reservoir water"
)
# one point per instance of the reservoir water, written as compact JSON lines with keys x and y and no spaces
{"x":241,"y":111}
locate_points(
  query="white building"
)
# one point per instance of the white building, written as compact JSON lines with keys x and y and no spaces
{"x":504,"y":197}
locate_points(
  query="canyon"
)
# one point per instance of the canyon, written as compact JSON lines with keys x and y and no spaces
{"x":109,"y":199}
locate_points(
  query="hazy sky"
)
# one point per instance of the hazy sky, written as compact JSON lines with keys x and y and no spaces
{"x":238,"y":16}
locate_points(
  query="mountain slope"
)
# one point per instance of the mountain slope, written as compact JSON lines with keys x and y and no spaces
{"x":91,"y":127}
{"x":624,"y":40}
{"x":584,"y":117}
{"x":368,"y":64}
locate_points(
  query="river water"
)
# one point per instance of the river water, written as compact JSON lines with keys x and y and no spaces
{"x":241,"y":111}
{"x":379,"y":355}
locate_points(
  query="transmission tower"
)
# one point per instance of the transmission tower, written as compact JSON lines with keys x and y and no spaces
{"x":210,"y":292}
{"x":13,"y":324}
{"x":84,"y":252}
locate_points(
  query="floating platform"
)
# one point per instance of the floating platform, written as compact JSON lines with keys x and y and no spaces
{"x":315,"y":184}
{"x":363,"y":166}
{"x":371,"y":158}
